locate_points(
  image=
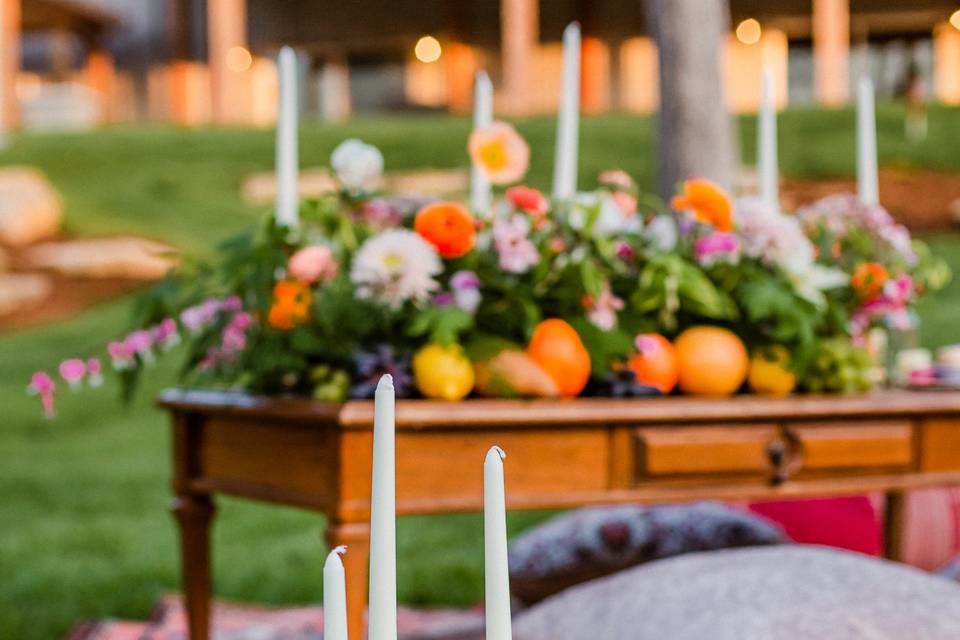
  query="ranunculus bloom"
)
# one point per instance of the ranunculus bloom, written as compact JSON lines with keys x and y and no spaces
{"x":707,"y":202}
{"x":868,"y":279}
{"x":528,"y":199}
{"x":448,"y":226}
{"x":312,"y":264}
{"x":500,"y":153}
{"x":291,"y":304}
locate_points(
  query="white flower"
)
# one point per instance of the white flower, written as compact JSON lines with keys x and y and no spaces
{"x":611,"y":218}
{"x":395,"y":266}
{"x":811,"y":284}
{"x":662,"y":232}
{"x":359,"y":166}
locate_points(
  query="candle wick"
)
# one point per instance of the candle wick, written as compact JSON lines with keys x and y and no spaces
{"x":340,"y":550}
{"x":500,"y":452}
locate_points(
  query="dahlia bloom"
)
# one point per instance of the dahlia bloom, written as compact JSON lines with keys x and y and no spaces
{"x":396,"y":266}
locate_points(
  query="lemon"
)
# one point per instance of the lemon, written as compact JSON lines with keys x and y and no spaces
{"x":770,"y":373}
{"x":443,"y":372}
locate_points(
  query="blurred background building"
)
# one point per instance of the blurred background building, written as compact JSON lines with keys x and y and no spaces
{"x":79,"y":63}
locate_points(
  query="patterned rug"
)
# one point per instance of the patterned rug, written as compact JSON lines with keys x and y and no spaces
{"x":233,"y":621}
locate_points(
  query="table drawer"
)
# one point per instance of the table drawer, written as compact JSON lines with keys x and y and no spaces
{"x":853,"y":445}
{"x":685,"y":450}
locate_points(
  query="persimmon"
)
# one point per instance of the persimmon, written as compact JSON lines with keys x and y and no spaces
{"x":557,"y":348}
{"x":655,"y":364}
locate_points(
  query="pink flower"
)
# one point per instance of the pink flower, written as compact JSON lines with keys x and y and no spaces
{"x":242,"y":321}
{"x":165,"y":334}
{"x":94,"y":372}
{"x":602,"y":310}
{"x":121,"y":355}
{"x":466,"y":290}
{"x":72,"y":371}
{"x":517,"y":254}
{"x":899,"y":290}
{"x":232,"y":303}
{"x":528,"y":200}
{"x":617,"y":178}
{"x":140,"y":342}
{"x":557,"y":244}
{"x":43,"y":385}
{"x":625,"y":251}
{"x":717,"y":247}
{"x":312,"y":264}
{"x":379,"y":214}
{"x":626,"y":202}
{"x":500,"y":153}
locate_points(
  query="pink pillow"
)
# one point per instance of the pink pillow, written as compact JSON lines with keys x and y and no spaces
{"x":846,"y":523}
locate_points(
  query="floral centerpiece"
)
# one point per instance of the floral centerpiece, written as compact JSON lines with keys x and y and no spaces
{"x":610,"y":292}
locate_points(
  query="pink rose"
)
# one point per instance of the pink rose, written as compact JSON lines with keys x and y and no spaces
{"x":313,"y":263}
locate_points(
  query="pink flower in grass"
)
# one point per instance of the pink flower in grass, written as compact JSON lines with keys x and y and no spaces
{"x":165,"y":334}
{"x":41,"y":384}
{"x":517,"y":254}
{"x":232,"y":303}
{"x":72,"y":371}
{"x":121,"y":355}
{"x":94,"y":372}
{"x":140,"y":342}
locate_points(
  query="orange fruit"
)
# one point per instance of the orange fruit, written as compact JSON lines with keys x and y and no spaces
{"x":448,"y":226}
{"x":656,"y":363}
{"x":557,"y":348}
{"x":711,"y":361}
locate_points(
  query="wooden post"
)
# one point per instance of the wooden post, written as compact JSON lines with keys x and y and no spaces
{"x":226,"y":28}
{"x":519,"y":34}
{"x":695,"y":132}
{"x":9,"y":62}
{"x":594,"y":75}
{"x":831,"y":51}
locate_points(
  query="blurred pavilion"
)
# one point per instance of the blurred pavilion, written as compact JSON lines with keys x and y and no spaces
{"x":76,"y":63}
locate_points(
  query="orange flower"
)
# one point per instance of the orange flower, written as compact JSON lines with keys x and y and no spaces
{"x":500,"y":153}
{"x":708,"y":203}
{"x":448,"y":226}
{"x":291,"y":304}
{"x":868,"y":279}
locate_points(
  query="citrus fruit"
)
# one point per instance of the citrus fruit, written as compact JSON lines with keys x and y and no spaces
{"x":770,"y":373}
{"x":655,"y":364}
{"x":710,"y":360}
{"x":512,"y":373}
{"x":443,"y":372}
{"x":448,"y":226}
{"x":557,"y":348}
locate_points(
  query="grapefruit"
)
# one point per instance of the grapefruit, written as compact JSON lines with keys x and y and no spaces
{"x":655,"y":364}
{"x":710,"y":361}
{"x":557,"y":348}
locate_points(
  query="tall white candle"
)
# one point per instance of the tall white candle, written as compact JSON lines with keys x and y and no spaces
{"x":768,"y":173}
{"x":288,"y":196}
{"x":382,"y":613}
{"x":334,"y":597}
{"x":867,"y":185}
{"x":568,"y":118}
{"x":496,"y":571}
{"x":482,"y":117}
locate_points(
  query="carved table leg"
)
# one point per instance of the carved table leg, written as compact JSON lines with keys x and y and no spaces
{"x":356,"y":535}
{"x":893,"y":525}
{"x":193,"y":514}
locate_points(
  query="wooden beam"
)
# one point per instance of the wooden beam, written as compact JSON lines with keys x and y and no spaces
{"x":519,"y":35}
{"x":226,"y":28}
{"x":9,"y":62}
{"x":831,"y":51}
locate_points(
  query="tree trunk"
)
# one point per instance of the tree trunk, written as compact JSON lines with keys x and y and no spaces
{"x":694,"y":130}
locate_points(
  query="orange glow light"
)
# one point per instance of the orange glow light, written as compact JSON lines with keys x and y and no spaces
{"x":428,"y":49}
{"x":238,"y":59}
{"x":748,"y":31}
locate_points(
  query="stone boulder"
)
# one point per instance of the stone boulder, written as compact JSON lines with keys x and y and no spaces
{"x":120,"y":257}
{"x":30,"y":208}
{"x":23,"y":291}
{"x":789,"y":592}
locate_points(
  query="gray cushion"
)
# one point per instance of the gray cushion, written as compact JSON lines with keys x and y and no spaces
{"x":590,"y":543}
{"x":786,"y":592}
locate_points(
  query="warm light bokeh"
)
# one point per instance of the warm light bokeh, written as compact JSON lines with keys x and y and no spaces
{"x":748,"y":31}
{"x":238,"y":59}
{"x":428,"y":49}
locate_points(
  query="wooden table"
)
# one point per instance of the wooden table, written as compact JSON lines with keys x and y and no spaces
{"x":560,"y":454}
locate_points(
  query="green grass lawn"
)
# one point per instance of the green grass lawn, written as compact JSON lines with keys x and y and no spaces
{"x":84,"y":530}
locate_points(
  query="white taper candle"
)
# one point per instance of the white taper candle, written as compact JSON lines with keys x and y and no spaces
{"x":867,"y":184}
{"x":382,"y":613}
{"x":496,"y":570}
{"x":287,"y":161}
{"x":568,"y":118}
{"x":334,"y":597}
{"x":482,"y":117}
{"x":768,"y":174}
